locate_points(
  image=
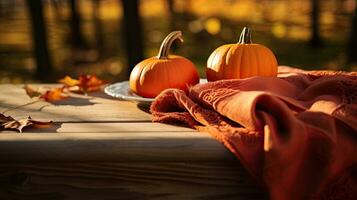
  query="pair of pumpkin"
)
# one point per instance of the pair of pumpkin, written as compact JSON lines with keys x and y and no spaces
{"x":241,"y":60}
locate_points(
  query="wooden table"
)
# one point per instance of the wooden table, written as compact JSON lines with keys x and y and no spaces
{"x":104,"y":148}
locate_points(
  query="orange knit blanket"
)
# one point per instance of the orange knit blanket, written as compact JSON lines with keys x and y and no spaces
{"x":297,"y":132}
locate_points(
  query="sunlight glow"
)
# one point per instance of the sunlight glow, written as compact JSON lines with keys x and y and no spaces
{"x":213,"y":26}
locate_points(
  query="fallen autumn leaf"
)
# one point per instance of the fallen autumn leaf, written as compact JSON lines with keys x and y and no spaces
{"x":84,"y":83}
{"x":52,"y":94}
{"x":31,"y":92}
{"x":9,"y":123}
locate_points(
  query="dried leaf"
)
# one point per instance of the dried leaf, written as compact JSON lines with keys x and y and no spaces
{"x":69,"y":81}
{"x":31,"y":92}
{"x":9,"y":123}
{"x":90,"y":83}
{"x":84,"y":84}
{"x":54,"y":94}
{"x":3,"y":118}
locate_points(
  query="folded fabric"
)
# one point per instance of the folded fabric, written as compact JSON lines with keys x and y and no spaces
{"x":297,"y":133}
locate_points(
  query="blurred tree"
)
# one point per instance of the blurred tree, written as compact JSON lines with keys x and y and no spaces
{"x":76,"y":31}
{"x":132,"y":32}
{"x":315,"y":39}
{"x":352,"y":43}
{"x":98,"y":28}
{"x":174,"y":20}
{"x":172,"y":14}
{"x":187,"y":14}
{"x":43,"y":61}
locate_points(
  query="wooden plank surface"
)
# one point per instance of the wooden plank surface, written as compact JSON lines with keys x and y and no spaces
{"x":102,"y":148}
{"x":108,"y":130}
{"x":174,"y":180}
{"x":112,"y":127}
{"x":80,"y":108}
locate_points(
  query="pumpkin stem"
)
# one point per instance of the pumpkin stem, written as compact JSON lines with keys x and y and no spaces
{"x":166,"y":44}
{"x":245,"y":36}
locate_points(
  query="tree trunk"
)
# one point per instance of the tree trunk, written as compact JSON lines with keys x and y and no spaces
{"x":352,"y":43}
{"x":132,"y":32}
{"x":98,"y":28}
{"x":76,"y":31}
{"x":43,"y":60}
{"x":315,"y":39}
{"x":171,"y":14}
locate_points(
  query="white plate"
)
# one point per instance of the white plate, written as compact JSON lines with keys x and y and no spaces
{"x":121,"y":90}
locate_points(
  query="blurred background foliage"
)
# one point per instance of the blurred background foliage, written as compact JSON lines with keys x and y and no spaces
{"x":42,"y":40}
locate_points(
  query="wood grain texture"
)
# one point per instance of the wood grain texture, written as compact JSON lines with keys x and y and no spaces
{"x":80,"y":108}
{"x":173,"y":180}
{"x":111,"y":127}
{"x":95,"y":134}
{"x":102,"y":146}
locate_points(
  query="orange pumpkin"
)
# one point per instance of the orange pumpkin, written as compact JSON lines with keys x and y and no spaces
{"x":241,"y":60}
{"x":153,"y":75}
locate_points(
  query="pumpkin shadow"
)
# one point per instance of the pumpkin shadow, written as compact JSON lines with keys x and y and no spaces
{"x":101,"y":94}
{"x":144,"y":107}
{"x":73,"y":101}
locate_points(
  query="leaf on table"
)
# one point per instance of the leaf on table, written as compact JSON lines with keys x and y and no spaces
{"x":9,"y":123}
{"x":31,"y":92}
{"x":90,"y":83}
{"x":69,"y":81}
{"x":3,"y":118}
{"x":84,"y":83}
{"x":54,"y":94}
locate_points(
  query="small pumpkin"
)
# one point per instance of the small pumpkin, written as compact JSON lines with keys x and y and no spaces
{"x":241,"y":60}
{"x":155,"y":74}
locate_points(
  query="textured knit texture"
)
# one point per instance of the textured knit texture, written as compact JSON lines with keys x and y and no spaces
{"x":297,"y":132}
